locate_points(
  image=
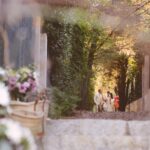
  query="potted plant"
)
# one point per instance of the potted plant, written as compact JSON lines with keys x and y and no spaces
{"x":33,"y":120}
{"x":20,"y":82}
{"x":12,"y":134}
{"x":29,"y":105}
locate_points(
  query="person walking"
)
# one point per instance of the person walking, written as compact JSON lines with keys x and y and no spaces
{"x":98,"y":100}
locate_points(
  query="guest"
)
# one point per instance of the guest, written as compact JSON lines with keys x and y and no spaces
{"x":116,"y":103}
{"x":98,"y":100}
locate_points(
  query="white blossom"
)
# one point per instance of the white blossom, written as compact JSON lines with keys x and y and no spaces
{"x":2,"y":72}
{"x":36,"y":77}
{"x":18,"y":75}
{"x":28,"y":135}
{"x":4,"y":97}
{"x":15,"y":133}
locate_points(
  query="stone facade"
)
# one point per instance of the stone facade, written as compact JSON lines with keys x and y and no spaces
{"x":135,"y":106}
{"x":146,"y":83}
{"x":143,"y":104}
{"x":23,"y":44}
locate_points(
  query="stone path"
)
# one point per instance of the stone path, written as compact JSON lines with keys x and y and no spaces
{"x":96,"y":134}
{"x":111,"y":115}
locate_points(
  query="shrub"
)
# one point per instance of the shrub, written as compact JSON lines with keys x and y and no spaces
{"x":62,"y":104}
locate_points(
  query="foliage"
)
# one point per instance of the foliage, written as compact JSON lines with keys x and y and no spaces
{"x":124,"y":68}
{"x":62,"y":104}
{"x":72,"y":49}
{"x":82,"y":44}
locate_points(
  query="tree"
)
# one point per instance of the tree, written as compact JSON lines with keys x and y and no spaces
{"x":79,"y":46}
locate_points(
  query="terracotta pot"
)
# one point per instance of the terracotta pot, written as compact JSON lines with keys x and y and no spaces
{"x":32,"y":120}
{"x":38,"y":106}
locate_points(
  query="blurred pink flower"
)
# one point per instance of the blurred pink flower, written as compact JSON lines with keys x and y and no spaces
{"x":12,"y":80}
{"x":26,"y":84}
{"x":22,"y":88}
{"x":11,"y":87}
{"x":32,"y":82}
{"x":20,"y":82}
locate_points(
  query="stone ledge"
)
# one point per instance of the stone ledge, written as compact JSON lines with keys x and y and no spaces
{"x":95,"y":134}
{"x":67,"y":142}
{"x":141,"y":128}
{"x":97,"y":126}
{"x":86,"y":127}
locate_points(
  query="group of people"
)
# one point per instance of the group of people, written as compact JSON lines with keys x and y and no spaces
{"x":105,"y":103}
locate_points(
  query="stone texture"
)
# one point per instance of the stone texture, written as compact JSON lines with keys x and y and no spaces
{"x":93,"y":134}
{"x":145,"y":76}
{"x":36,"y":47}
{"x":146,"y":83}
{"x":86,"y":127}
{"x":80,"y":142}
{"x":147,"y":101}
{"x":43,"y":61}
{"x":141,"y":128}
{"x":135,"y":106}
{"x":40,"y":53}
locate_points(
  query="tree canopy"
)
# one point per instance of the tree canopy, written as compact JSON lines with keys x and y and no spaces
{"x":98,"y":47}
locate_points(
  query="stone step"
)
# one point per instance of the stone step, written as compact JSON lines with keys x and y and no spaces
{"x":98,"y":127}
{"x":96,"y":142}
{"x":95,"y":134}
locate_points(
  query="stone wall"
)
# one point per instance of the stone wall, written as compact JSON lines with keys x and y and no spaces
{"x":43,"y":60}
{"x":40,"y":53}
{"x":135,"y":106}
{"x":96,"y":134}
{"x":147,"y":101}
{"x":146,"y":83}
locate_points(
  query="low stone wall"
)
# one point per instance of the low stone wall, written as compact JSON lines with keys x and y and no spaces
{"x":146,"y":102}
{"x":135,"y":106}
{"x":96,"y":134}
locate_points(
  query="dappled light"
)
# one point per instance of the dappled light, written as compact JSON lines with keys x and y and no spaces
{"x":100,"y":49}
{"x":67,"y":66}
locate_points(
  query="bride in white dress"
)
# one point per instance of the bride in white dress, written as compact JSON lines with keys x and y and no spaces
{"x":107,"y":106}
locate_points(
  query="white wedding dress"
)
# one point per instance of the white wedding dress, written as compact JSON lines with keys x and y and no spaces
{"x":108,"y":105}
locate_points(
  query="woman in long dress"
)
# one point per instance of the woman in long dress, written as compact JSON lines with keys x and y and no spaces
{"x":107,"y":105}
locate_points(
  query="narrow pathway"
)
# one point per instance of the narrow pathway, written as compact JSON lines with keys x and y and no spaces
{"x":96,"y":134}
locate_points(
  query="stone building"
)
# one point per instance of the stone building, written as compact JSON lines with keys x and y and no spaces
{"x":146,"y":83}
{"x":21,"y":40}
{"x":143,"y":103}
